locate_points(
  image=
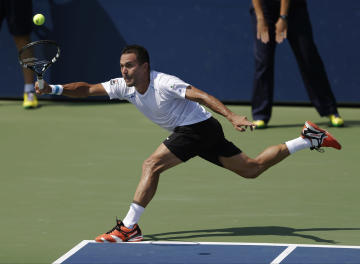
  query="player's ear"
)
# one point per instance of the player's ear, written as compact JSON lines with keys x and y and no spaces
{"x":146,"y":66}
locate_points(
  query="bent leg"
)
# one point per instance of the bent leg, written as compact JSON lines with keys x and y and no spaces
{"x":161,"y":160}
{"x":251,"y":168}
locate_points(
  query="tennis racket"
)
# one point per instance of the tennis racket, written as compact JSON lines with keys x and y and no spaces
{"x":38,"y":57}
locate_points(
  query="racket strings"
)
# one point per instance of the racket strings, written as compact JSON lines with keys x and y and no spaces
{"x":39,"y":56}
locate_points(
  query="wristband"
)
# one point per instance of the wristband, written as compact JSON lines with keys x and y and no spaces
{"x":56,"y":89}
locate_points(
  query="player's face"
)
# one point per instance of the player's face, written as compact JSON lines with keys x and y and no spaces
{"x":131,"y":70}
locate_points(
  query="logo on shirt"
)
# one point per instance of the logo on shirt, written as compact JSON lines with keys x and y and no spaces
{"x":130,"y":96}
{"x":114,"y":82}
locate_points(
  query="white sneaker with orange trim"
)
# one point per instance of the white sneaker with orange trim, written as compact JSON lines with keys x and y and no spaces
{"x":120,"y":233}
{"x":319,"y":137}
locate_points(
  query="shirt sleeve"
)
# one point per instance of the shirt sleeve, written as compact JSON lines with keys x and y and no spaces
{"x":115,"y":88}
{"x":174,"y":87}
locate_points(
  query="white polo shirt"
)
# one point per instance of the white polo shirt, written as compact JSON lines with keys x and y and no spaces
{"x":164,"y":101}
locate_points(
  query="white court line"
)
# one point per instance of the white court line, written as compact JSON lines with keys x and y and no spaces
{"x":289,"y":247}
{"x":236,"y":244}
{"x":72,"y":251}
{"x":283,"y":255}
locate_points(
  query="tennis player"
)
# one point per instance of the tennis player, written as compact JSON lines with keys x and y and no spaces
{"x":177,"y":107}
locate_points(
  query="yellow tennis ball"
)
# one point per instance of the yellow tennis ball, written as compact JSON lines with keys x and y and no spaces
{"x":39,"y":19}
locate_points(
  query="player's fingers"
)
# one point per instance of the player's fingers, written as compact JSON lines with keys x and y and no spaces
{"x":248,"y":123}
{"x":36,"y":86}
{"x":37,"y":89}
{"x":252,"y":127}
{"x":241,"y":129}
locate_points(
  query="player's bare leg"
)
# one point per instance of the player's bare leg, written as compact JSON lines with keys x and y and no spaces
{"x":251,"y":168}
{"x":312,"y":137}
{"x":161,"y":160}
{"x":128,"y":230}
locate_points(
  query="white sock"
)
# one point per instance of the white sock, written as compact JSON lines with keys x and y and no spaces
{"x":133,"y":215}
{"x":297,"y":144}
{"x":29,"y":88}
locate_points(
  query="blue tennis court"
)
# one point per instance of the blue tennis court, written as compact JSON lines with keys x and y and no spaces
{"x":90,"y":252}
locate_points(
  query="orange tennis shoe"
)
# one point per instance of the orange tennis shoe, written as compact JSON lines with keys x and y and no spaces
{"x":319,"y":137}
{"x":120,"y":233}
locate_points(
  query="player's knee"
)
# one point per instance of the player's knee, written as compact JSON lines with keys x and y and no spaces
{"x":251,"y":172}
{"x":247,"y":167}
{"x":152,"y":166}
{"x":248,"y":174}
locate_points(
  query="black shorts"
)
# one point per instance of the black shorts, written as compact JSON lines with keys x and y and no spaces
{"x":205,"y":139}
{"x":18,"y":14}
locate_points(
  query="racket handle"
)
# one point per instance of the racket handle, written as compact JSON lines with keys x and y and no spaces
{"x":41,"y":83}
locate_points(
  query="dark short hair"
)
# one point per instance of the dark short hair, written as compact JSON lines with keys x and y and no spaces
{"x":141,"y":53}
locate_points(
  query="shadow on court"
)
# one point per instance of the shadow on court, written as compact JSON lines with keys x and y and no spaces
{"x":247,"y":231}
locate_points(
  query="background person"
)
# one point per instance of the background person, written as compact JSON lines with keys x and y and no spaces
{"x":273,"y":21}
{"x":18,"y":14}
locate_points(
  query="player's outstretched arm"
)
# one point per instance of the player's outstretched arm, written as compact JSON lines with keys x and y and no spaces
{"x":239,"y":122}
{"x":76,"y":89}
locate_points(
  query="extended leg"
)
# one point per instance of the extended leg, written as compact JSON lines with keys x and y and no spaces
{"x":251,"y":168}
{"x":312,"y":137}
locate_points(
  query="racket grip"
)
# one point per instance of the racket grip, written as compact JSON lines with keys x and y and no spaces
{"x":41,"y":83}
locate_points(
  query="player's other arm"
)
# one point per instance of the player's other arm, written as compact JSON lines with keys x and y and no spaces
{"x":76,"y":89}
{"x":197,"y":95}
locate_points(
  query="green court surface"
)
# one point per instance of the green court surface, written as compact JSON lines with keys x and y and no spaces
{"x":68,"y":169}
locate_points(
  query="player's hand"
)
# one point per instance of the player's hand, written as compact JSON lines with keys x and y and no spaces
{"x":280,"y":30}
{"x":47,"y":89}
{"x":241,"y":123}
{"x":262,"y":31}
